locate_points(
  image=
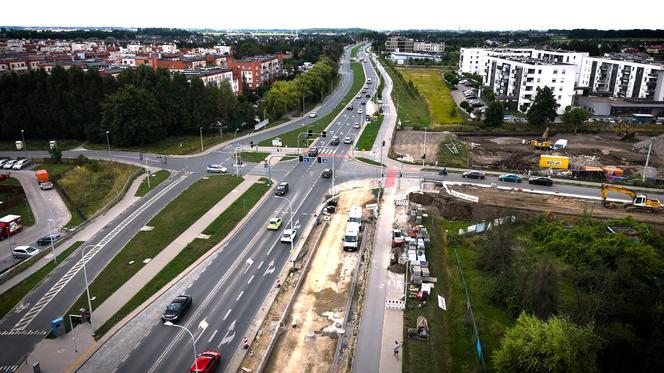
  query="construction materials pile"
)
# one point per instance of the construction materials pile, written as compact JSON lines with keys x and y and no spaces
{"x":657,"y":145}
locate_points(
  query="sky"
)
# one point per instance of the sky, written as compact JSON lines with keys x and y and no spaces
{"x":371,"y":14}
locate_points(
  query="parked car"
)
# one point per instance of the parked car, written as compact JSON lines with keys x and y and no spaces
{"x":398,"y":238}
{"x":177,"y":308}
{"x":274,"y":224}
{"x":313,"y":114}
{"x":288,"y":235}
{"x":8,"y":164}
{"x":510,"y":178}
{"x":348,"y":140}
{"x":334,"y":140}
{"x":216,"y":168}
{"x":3,"y":161}
{"x":24,"y":252}
{"x":206,"y":362}
{"x":540,"y":180}
{"x":21,"y":164}
{"x":313,"y":151}
{"x":327,"y":173}
{"x":475,"y":103}
{"x":281,"y":189}
{"x":48,"y":239}
{"x":473,"y":175}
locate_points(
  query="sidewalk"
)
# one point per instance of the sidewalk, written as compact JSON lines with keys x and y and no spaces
{"x":57,"y":355}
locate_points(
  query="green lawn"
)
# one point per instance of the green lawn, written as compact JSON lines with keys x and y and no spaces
{"x":254,"y":157}
{"x":218,"y":230}
{"x":443,"y":109}
{"x":368,"y":137}
{"x":55,"y":169}
{"x":11,"y":297}
{"x":23,"y":209}
{"x":174,"y":219}
{"x":175,"y":145}
{"x":290,"y":138}
{"x":412,"y":110}
{"x":287,"y":158}
{"x":368,"y":161}
{"x":353,"y":52}
{"x":156,"y":178}
{"x":447,"y":158}
{"x":35,"y":144}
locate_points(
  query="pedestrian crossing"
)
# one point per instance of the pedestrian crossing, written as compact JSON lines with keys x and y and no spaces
{"x":23,"y":332}
{"x":8,"y":368}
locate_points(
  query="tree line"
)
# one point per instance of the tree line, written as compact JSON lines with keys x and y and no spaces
{"x":140,"y":106}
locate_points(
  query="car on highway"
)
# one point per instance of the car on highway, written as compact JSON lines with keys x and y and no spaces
{"x":348,"y":140}
{"x":281,"y":189}
{"x":334,"y":140}
{"x":349,"y":107}
{"x":216,"y":168}
{"x":21,"y":164}
{"x":274,"y":224}
{"x":363,"y":102}
{"x":206,"y":362}
{"x":24,"y":252}
{"x":312,"y":152}
{"x":359,"y":111}
{"x":356,"y":125}
{"x":473,"y":175}
{"x":510,"y":178}
{"x":48,"y":239}
{"x":8,"y":164}
{"x":313,"y":114}
{"x":288,"y":235}
{"x":358,"y":96}
{"x":177,"y":308}
{"x":540,"y":180}
{"x":327,"y":173}
{"x":368,"y":95}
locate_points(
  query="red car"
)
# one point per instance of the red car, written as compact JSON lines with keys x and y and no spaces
{"x":206,"y":362}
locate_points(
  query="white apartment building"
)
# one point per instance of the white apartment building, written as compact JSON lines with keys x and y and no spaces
{"x":223,"y":49}
{"x":168,"y":48}
{"x":419,"y":46}
{"x":618,"y":76}
{"x":473,"y":60}
{"x":516,"y":79}
{"x":574,"y":58}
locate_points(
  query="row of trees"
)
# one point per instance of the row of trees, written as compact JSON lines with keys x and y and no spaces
{"x":139,"y":106}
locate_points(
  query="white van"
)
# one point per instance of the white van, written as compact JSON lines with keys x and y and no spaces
{"x":351,"y":239}
{"x":355,"y":215}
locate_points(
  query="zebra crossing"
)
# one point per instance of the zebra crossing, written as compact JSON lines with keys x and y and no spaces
{"x":22,"y":332}
{"x":8,"y":368}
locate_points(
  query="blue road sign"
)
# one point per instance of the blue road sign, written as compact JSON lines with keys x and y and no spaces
{"x":323,"y":160}
{"x":306,"y":159}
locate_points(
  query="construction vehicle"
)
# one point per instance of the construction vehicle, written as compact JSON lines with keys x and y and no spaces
{"x":625,"y":133}
{"x":542,"y":143}
{"x":640,"y":202}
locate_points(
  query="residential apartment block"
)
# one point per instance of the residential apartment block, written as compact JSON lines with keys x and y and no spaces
{"x":399,"y":44}
{"x":215,"y":76}
{"x":258,"y":70}
{"x":623,"y":77}
{"x":419,"y":46}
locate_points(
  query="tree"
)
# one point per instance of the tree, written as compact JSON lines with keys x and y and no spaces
{"x":464,"y":104}
{"x":132,"y":116}
{"x":575,"y":116}
{"x":554,"y":345}
{"x":488,"y":95}
{"x":493,"y":116}
{"x":56,"y":154}
{"x":543,"y":109}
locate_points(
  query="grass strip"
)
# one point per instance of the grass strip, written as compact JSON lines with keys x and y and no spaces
{"x":368,"y":161}
{"x":368,"y":137}
{"x":287,"y":158}
{"x":412,"y":109}
{"x":218,"y":230}
{"x":254,"y":157}
{"x":174,"y":145}
{"x":174,"y":219}
{"x":156,"y":178}
{"x":430,"y":84}
{"x":353,"y":52}
{"x":290,"y":138}
{"x":11,"y":297}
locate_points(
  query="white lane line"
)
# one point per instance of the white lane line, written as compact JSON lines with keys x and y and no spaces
{"x":212,"y":336}
{"x":260,"y":265}
{"x":269,"y":251}
{"x":239,"y":296}
{"x":252,"y":277}
{"x":226,"y":315}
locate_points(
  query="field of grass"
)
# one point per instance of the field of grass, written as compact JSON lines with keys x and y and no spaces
{"x":443,"y":109}
{"x":218,"y":230}
{"x":55,"y":169}
{"x":94,"y":184}
{"x":254,"y":157}
{"x":174,"y":219}
{"x":412,"y":109}
{"x":23,"y":209}
{"x":368,"y":137}
{"x":34,"y":144}
{"x":176,"y":145}
{"x":156,"y":178}
{"x":447,"y":158}
{"x":368,"y":161}
{"x":353,"y":52}
{"x":11,"y":297}
{"x":290,"y":138}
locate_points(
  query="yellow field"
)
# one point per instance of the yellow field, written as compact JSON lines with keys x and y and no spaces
{"x":430,"y":84}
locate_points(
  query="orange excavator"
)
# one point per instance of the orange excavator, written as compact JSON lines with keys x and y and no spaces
{"x":640,"y":202}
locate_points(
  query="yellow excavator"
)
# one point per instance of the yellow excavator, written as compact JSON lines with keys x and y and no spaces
{"x":625,"y":133}
{"x":542,"y":143}
{"x":640,"y":202}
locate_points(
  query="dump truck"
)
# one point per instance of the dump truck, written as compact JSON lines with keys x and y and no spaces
{"x":10,"y":225}
{"x":43,"y":180}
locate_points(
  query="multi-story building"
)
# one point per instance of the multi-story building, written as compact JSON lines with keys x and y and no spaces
{"x":419,"y":46}
{"x":215,"y":76}
{"x":622,"y":76}
{"x":516,"y":79}
{"x":258,"y":70}
{"x":399,"y":44}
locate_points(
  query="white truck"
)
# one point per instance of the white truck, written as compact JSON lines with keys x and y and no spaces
{"x":351,"y":239}
{"x":560,"y":144}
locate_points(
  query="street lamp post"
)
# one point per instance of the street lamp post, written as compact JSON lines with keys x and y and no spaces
{"x":193,"y":340}
{"x":87,"y":288}
{"x":235,"y":133}
{"x":108,"y":143}
{"x":424,"y":155}
{"x":50,"y":237}
{"x":147,"y":171}
{"x":201,"y":130}
{"x":25,"y":147}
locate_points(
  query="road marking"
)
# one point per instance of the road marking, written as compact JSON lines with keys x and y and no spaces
{"x":202,"y":325}
{"x":270,"y":268}
{"x":260,"y":265}
{"x":252,"y":277}
{"x":228,"y":338}
{"x":226,"y":315}
{"x":269,"y":251}
{"x":64,"y":280}
{"x":239,"y":296}
{"x":212,"y":336}
{"x":249,"y":262}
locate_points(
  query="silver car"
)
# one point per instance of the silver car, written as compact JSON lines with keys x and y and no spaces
{"x":24,"y":252}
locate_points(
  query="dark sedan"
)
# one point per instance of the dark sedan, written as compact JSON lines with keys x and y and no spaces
{"x":540,"y":180}
{"x":312,"y":152}
{"x":47,"y":240}
{"x":177,"y":308}
{"x":473,"y":175}
{"x":510,"y":178}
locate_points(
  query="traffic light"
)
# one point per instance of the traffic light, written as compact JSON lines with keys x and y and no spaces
{"x":319,"y":160}
{"x":300,"y":158}
{"x":251,"y":144}
{"x":309,"y":133}
{"x":324,"y":133}
{"x":383,"y":143}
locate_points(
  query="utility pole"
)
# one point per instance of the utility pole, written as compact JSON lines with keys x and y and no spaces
{"x":647,"y":161}
{"x":424,"y":155}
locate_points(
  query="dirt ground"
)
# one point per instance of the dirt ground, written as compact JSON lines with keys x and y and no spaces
{"x":318,"y":309}
{"x":508,"y":153}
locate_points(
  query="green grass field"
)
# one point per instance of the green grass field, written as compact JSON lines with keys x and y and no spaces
{"x":176,"y":145}
{"x":218,"y":230}
{"x":353,"y":52}
{"x":254,"y":157}
{"x":443,"y":109}
{"x":174,"y":219}
{"x":368,"y":161}
{"x":449,"y":159}
{"x":412,"y":110}
{"x":23,"y":209}
{"x":290,"y":139}
{"x":156,"y":178}
{"x":368,"y":137}
{"x":11,"y":297}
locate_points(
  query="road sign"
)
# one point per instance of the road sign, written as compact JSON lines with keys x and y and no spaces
{"x":306,"y":159}
{"x":323,"y":160}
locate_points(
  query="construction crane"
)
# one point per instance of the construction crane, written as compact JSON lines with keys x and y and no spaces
{"x":542,"y":143}
{"x":625,"y":133}
{"x":640,"y":202}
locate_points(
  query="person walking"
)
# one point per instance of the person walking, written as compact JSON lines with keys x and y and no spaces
{"x":397,"y":347}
